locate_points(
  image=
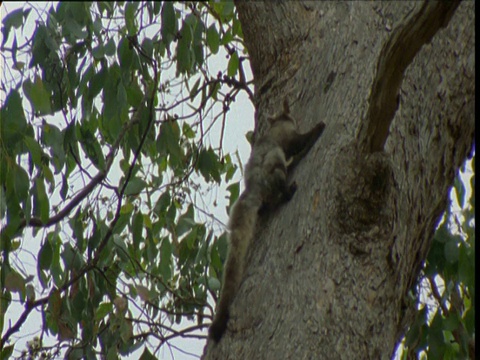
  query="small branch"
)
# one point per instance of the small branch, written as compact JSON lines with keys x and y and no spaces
{"x":459,"y":332}
{"x":396,"y":55}
{"x":77,"y":199}
{"x":28,"y":308}
{"x":97,"y":179}
{"x":36,"y":222}
{"x":149,"y":99}
{"x":438,"y":296}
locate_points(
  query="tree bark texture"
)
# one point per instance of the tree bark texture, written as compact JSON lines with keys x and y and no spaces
{"x":328,"y":273}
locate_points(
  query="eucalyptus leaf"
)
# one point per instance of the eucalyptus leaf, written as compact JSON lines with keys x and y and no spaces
{"x":169,"y":23}
{"x":39,"y":97}
{"x":213,"y":39}
{"x":233,"y":64}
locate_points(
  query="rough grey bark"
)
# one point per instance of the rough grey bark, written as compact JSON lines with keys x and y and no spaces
{"x":328,"y":273}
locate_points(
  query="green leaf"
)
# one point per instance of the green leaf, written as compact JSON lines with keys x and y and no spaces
{"x":110,"y":47}
{"x":40,"y":51}
{"x":233,"y":64}
{"x":452,"y":251}
{"x":146,"y":355}
{"x":72,"y":259}
{"x":147,"y":46}
{"x":53,"y":137}
{"x":35,"y":150}
{"x":14,"y":282}
{"x":169,"y":24}
{"x":8,"y":350}
{"x":197,"y":42}
{"x":103,"y":310}
{"x":105,"y":6}
{"x":56,"y":270}
{"x":38,"y":96}
{"x":194,"y":91}
{"x":466,"y":265}
{"x":114,"y":112}
{"x":184,"y":58}
{"x":3,"y":203}
{"x":442,"y":234}
{"x":97,"y":27}
{"x":208,"y":165}
{"x":170,"y":215}
{"x":169,"y":142}
{"x":13,"y":124}
{"x":451,"y":323}
{"x":22,"y":182}
{"x":41,"y":205}
{"x":76,"y":224}
{"x":230,"y":168}
{"x":191,"y":239}
{"x":130,"y":9}
{"x":98,"y":52}
{"x":224,"y":9}
{"x":125,"y":54}
{"x":186,"y":222}
{"x":137,"y":229}
{"x":135,"y":186}
{"x":121,"y":248}
{"x":213,"y":283}
{"x":213,"y":39}
{"x":221,"y":245}
{"x":72,"y":27}
{"x":237,"y":28}
{"x":469,"y":319}
{"x":15,"y":19}
{"x":436,"y":342}
{"x":228,"y":8}
{"x":97,"y":82}
{"x":162,"y":204}
{"x":460,"y":191}
{"x":45,"y":256}
{"x":165,"y":259}
{"x":214,"y":88}
{"x":134,"y":96}
{"x":234,"y":190}
{"x":227,"y":37}
{"x":188,"y":131}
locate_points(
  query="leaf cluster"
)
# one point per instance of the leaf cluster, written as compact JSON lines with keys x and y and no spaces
{"x":444,"y":324}
{"x":102,"y":164}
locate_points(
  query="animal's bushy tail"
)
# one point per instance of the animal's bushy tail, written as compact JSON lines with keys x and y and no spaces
{"x":243,"y":218}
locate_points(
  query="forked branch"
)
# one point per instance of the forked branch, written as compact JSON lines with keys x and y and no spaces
{"x":396,"y":55}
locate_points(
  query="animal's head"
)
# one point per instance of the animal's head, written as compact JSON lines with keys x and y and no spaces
{"x":282,"y":126}
{"x":282,"y":117}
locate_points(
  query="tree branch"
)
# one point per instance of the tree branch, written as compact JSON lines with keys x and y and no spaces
{"x":36,"y":222}
{"x":28,"y":309}
{"x":80,"y":196}
{"x":150,"y":107}
{"x":396,"y":55}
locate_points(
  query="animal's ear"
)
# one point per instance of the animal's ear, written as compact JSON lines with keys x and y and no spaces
{"x":284,"y":114}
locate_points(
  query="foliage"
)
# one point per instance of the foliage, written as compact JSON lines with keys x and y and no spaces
{"x":444,"y":325}
{"x":103,"y":166}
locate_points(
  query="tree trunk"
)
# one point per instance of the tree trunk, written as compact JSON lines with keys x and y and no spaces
{"x":328,"y":273}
